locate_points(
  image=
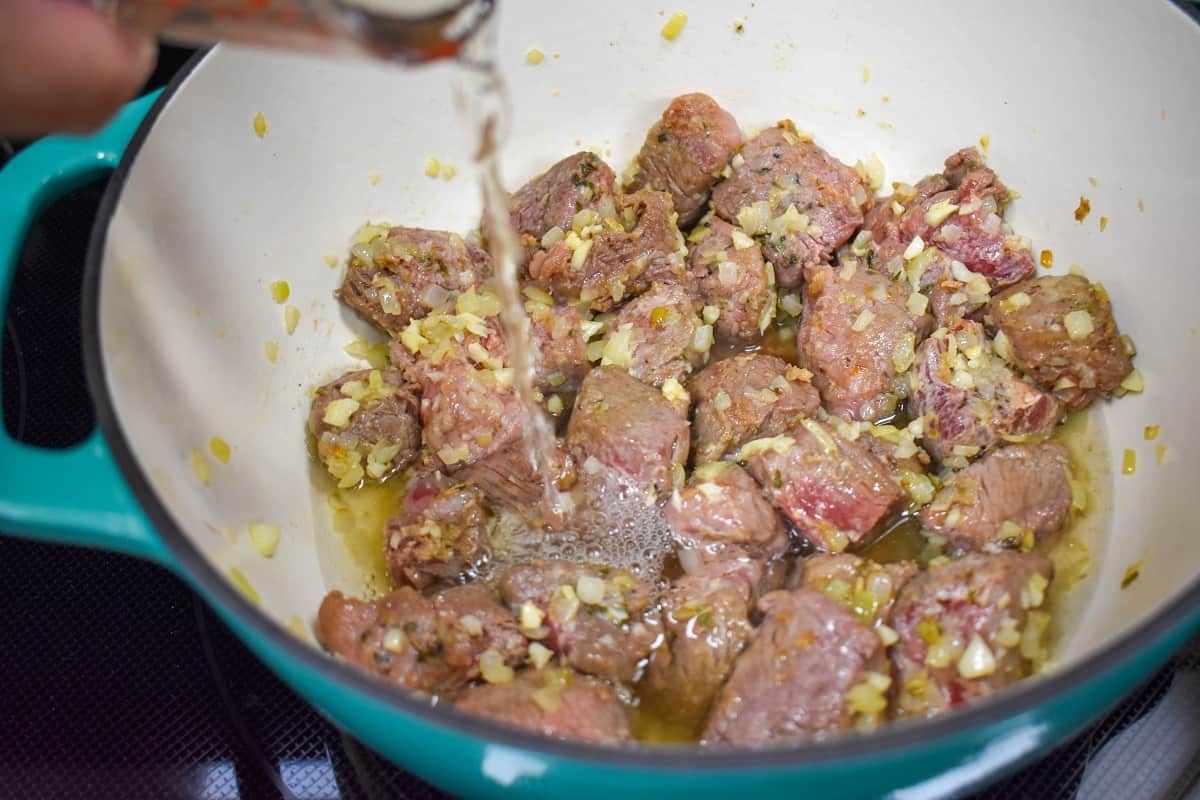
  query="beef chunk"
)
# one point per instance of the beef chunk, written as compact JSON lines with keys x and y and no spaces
{"x":965,"y":628}
{"x":707,"y":623}
{"x":1014,"y":497}
{"x":730,"y":274}
{"x":511,"y":482}
{"x":429,"y":644}
{"x":1059,"y":330}
{"x":559,"y":335}
{"x":406,"y":272}
{"x":554,"y":702}
{"x":651,"y":337}
{"x":738,"y":399}
{"x":953,"y":291}
{"x":863,"y":587}
{"x":598,"y":619}
{"x":366,"y":425}
{"x":471,"y":622}
{"x":895,"y":447}
{"x":811,"y":667}
{"x":969,"y":399}
{"x":468,"y":415}
{"x":473,"y":419}
{"x":552,"y":199}
{"x":779,"y":169}
{"x":858,"y":338}
{"x":722,"y":514}
{"x":469,"y":408}
{"x":685,"y":152}
{"x":441,"y":532}
{"x":615,"y":258}
{"x":627,"y":430}
{"x":832,"y":489}
{"x":959,"y":213}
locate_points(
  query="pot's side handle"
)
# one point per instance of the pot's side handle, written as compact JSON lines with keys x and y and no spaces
{"x":75,"y":495}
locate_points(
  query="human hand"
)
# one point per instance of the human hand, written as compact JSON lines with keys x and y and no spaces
{"x":65,"y":67}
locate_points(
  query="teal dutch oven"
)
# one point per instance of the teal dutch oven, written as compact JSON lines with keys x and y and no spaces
{"x":206,"y":208}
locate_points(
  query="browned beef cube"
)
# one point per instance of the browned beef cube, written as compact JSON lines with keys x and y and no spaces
{"x":707,"y":623}
{"x":969,"y":399}
{"x":730,"y":274}
{"x":811,"y":667}
{"x":511,"y":482}
{"x":621,"y":259}
{"x":832,"y":489}
{"x":652,"y":336}
{"x":722,"y":514}
{"x":598,"y":619}
{"x":554,"y":702}
{"x":962,"y":628}
{"x":366,"y":425}
{"x":741,"y":398}
{"x":474,"y":421}
{"x":953,"y":291}
{"x":552,"y":199}
{"x":628,"y":431}
{"x":440,"y":533}
{"x":1059,"y":330}
{"x":468,"y":415}
{"x":959,"y":213}
{"x":895,"y":447}
{"x":406,"y":273}
{"x":781,"y":168}
{"x":865,"y":588}
{"x":471,"y":622}
{"x":428,"y":644}
{"x":858,"y":338}
{"x":685,"y":152}
{"x":559,"y":338}
{"x":1014,"y":497}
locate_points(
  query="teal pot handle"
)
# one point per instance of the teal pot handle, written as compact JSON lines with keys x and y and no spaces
{"x":74,"y":495}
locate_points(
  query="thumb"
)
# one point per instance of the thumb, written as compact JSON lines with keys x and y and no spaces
{"x":65,"y":67}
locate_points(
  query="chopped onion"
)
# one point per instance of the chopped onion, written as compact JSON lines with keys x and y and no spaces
{"x":863,"y":321}
{"x":727,"y":273}
{"x":915,"y":248}
{"x":1079,"y":324}
{"x":493,"y":669}
{"x":265,"y":538}
{"x":977,"y":660}
{"x":939,"y":211}
{"x":433,"y":295}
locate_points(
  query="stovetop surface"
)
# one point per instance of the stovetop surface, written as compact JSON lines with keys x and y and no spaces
{"x":117,"y":681}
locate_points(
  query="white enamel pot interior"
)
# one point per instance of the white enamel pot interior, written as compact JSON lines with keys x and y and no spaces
{"x":1076,"y":99}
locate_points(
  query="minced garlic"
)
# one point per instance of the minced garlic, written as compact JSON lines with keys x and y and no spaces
{"x":219,"y":448}
{"x":201,"y":468}
{"x":265,"y":538}
{"x":674,"y":26}
{"x":291,"y":318}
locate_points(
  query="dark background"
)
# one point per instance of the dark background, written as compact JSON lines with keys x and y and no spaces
{"x":116,"y":681}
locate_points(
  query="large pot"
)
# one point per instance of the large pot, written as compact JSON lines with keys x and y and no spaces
{"x":202,"y":214}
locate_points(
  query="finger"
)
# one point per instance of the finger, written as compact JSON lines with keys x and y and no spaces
{"x":64,"y":67}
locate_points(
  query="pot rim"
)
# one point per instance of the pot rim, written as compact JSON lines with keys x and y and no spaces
{"x":892,"y":738}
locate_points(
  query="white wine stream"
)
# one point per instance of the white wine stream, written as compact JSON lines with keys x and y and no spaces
{"x":483,"y":103}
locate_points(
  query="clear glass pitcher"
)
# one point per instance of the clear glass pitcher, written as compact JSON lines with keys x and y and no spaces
{"x":407,"y":31}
